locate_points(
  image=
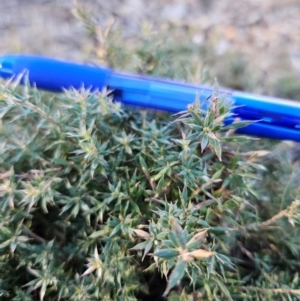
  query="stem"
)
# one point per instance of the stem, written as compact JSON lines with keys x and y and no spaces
{"x":165,"y":189}
{"x":200,"y":189}
{"x":33,"y":235}
{"x":203,"y":204}
{"x":270,"y":221}
{"x":37,"y":110}
{"x":273,"y":219}
{"x":273,"y":291}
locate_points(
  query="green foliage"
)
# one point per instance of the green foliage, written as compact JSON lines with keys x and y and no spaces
{"x":103,"y":202}
{"x":95,"y":197}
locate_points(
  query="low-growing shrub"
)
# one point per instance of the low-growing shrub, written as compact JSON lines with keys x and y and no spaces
{"x":102,"y":202}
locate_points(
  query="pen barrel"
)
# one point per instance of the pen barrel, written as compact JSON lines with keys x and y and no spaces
{"x":268,"y":110}
{"x":155,"y":94}
{"x":55,"y":75}
{"x":278,"y":119}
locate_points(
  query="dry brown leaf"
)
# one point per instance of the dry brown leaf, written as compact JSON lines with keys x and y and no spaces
{"x":199,"y":254}
{"x":199,"y":236}
{"x":141,"y":233}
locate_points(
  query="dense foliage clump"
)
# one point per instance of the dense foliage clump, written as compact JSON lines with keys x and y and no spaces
{"x":102,"y":202}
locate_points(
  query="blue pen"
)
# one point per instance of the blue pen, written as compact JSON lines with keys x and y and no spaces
{"x":278,"y":119}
